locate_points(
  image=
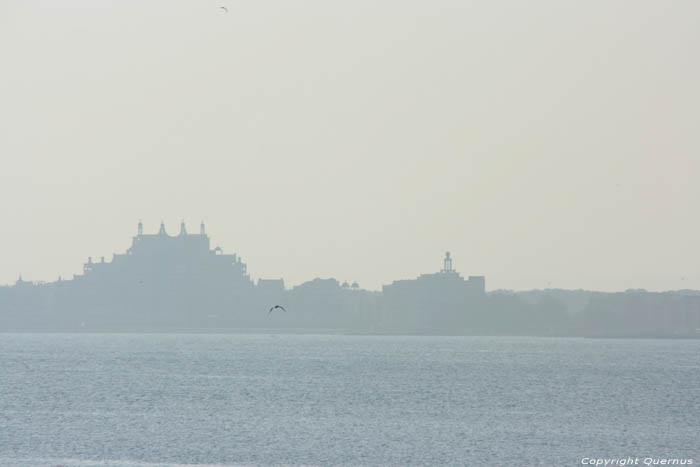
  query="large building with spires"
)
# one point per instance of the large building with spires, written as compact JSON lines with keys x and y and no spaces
{"x":175,"y":282}
{"x":165,"y":282}
{"x":159,"y":259}
{"x":161,"y":282}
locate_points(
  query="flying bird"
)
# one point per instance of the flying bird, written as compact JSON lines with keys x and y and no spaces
{"x":275,"y":307}
{"x":224,"y":8}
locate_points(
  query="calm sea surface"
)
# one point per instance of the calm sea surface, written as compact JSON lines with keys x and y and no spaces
{"x":159,"y":399}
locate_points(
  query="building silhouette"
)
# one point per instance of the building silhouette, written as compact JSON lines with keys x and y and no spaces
{"x":166,"y":282}
{"x":436,"y":301}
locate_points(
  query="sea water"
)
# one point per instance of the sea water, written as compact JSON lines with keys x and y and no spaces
{"x":273,"y":399}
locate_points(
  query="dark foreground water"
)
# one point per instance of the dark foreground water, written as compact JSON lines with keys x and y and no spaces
{"x":79,"y":400}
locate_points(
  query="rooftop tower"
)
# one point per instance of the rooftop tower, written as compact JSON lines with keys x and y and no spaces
{"x":447,"y":263}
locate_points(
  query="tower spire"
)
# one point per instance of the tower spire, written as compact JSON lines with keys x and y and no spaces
{"x":183,"y":230}
{"x":162,"y":231}
{"x":201,"y":229}
{"x":447,"y":263}
{"x":140,"y":228}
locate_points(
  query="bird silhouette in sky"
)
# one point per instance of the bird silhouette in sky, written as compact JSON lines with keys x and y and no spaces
{"x":275,"y":307}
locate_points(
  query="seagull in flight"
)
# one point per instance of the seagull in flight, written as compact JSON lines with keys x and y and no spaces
{"x":224,"y":8}
{"x":275,"y":307}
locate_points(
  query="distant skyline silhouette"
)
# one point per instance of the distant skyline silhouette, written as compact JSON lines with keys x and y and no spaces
{"x":162,"y":229}
{"x":182,"y":283}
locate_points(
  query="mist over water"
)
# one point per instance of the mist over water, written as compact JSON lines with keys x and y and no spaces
{"x":376,"y":169}
{"x":268,"y":399}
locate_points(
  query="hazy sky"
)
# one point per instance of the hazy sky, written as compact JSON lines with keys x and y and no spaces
{"x":543,"y":142}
